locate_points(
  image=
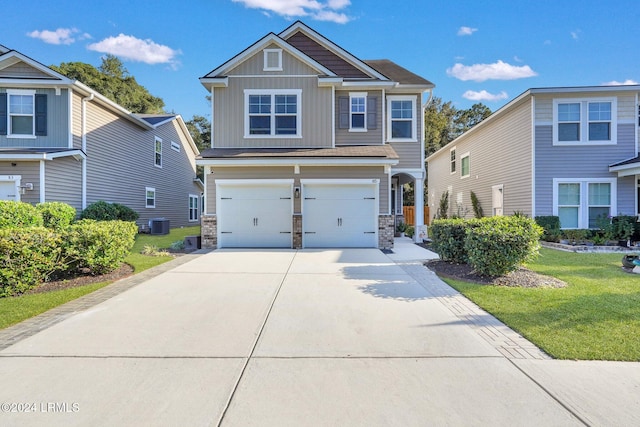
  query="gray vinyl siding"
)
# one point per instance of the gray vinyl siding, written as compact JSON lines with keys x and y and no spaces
{"x":371,"y":136}
{"x":254,"y":66}
{"x":57,"y":124}
{"x":229,"y":113}
{"x":22,"y":70}
{"x":63,"y":181}
{"x":120,"y":165}
{"x":409,"y":152}
{"x":306,"y":172}
{"x":499,"y":154}
{"x":76,"y":121}
{"x":29,"y":172}
{"x":580,"y":161}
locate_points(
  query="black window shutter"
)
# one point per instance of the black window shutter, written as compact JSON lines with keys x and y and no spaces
{"x":41,"y":114}
{"x":3,"y":113}
{"x":372,"y":112}
{"x":343,"y":112}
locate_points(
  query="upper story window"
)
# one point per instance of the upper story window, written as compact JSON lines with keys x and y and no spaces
{"x":23,"y":113}
{"x":590,"y":121}
{"x":271,"y":114}
{"x":158,"y":152}
{"x":401,"y":121}
{"x":452,"y":156}
{"x":272,"y":60}
{"x":358,"y":111}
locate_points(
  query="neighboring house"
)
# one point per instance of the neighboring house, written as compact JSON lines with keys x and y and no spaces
{"x":570,"y":152}
{"x":62,"y":141}
{"x":310,"y":146}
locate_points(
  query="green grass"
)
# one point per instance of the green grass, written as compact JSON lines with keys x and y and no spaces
{"x":16,"y":309}
{"x":596,"y":317}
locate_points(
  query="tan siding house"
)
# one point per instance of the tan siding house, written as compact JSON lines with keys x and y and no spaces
{"x":309,"y":145}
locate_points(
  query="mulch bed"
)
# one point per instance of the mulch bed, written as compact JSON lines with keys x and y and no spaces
{"x":125,"y":270}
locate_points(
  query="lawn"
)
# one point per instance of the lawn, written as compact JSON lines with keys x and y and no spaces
{"x":596,"y":317}
{"x":16,"y":309}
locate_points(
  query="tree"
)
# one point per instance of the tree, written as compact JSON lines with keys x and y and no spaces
{"x":200,"y":130}
{"x":438,"y":125}
{"x":466,"y":119}
{"x":113,"y":80}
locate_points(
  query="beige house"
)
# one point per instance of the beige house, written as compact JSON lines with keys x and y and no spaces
{"x":310,"y":146}
{"x":62,"y":141}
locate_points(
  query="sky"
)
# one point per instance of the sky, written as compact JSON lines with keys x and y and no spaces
{"x":473,"y":51}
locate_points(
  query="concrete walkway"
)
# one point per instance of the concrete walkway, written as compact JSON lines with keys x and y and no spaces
{"x":311,"y":337}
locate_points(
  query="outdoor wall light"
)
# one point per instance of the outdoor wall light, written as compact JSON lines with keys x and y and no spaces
{"x":296,"y":192}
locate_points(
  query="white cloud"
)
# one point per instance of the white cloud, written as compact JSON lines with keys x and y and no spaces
{"x":483,"y":95}
{"x":328,"y":10}
{"x":466,"y":31}
{"x":134,"y":49}
{"x":576,"y":34}
{"x":59,"y":36}
{"x":617,"y":83}
{"x":497,"y":71}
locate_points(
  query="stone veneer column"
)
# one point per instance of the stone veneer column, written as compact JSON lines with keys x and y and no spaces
{"x":386,"y":231}
{"x":209,"y":232}
{"x":297,"y":231}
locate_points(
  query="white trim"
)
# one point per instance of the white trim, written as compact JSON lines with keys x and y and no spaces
{"x":333,"y":181}
{"x":42,"y":156}
{"x":198,"y":207}
{"x":42,"y":182}
{"x":266,"y":54}
{"x":413,"y":172}
{"x":155,"y":152}
{"x":533,"y":156}
{"x":273,"y":93}
{"x":84,"y":184}
{"x":213,"y":116}
{"x":462,"y":157}
{"x":414,"y":119}
{"x":333,"y":115}
{"x":353,"y":95}
{"x":455,"y":161}
{"x":282,"y":181}
{"x":584,"y":121}
{"x":16,"y":181}
{"x":384,"y":117}
{"x":70,"y":118}
{"x":583,"y":209}
{"x":321,"y":161}
{"x":21,"y":92}
{"x":146,"y":190}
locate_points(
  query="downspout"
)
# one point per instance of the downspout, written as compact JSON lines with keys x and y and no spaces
{"x":83,"y":133}
{"x":417,"y":237}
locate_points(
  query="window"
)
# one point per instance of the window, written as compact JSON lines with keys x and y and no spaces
{"x":150,"y":197}
{"x":452,"y":154}
{"x":464,"y":165}
{"x":21,"y":112}
{"x":584,"y":121}
{"x":272,"y":60}
{"x":194,"y":211}
{"x":358,"y":112}
{"x":158,"y":152}
{"x":402,"y":118}
{"x":175,"y":146}
{"x":275,"y":114}
{"x":579,"y":203}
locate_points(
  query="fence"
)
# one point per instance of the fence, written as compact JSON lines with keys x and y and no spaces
{"x":409,"y":213}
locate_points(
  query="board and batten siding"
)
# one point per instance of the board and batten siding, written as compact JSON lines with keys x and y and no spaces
{"x":57,"y":124}
{"x":254,"y":66}
{"x":29,"y":172}
{"x":63,"y":181}
{"x":371,"y":136}
{"x":229,"y":113}
{"x":121,"y":164}
{"x":499,"y":154}
{"x":306,"y":172}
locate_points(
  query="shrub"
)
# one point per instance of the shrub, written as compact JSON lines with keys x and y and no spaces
{"x":19,"y":214}
{"x":103,"y":211}
{"x":498,"y":245}
{"x":448,"y":237}
{"x":475,"y":204}
{"x":56,"y":215}
{"x":29,"y":256}
{"x":99,"y":246}
{"x":443,"y":206}
{"x":551,"y":227}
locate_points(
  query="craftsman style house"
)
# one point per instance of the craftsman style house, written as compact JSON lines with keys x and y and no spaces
{"x":570,"y":152}
{"x":62,"y":141}
{"x":310,"y":146}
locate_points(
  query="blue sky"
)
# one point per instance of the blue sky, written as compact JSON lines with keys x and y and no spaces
{"x":474,"y":51}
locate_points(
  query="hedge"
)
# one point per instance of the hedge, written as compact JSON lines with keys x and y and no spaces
{"x":448,"y":239}
{"x":103,"y":211}
{"x":19,"y":214}
{"x":551,"y":227}
{"x":56,"y":215}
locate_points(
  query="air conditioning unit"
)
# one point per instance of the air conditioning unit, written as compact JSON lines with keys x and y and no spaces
{"x":159,"y":226}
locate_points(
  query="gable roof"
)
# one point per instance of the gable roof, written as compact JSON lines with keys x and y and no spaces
{"x":397,"y":73}
{"x":157,"y":120}
{"x":40,"y":72}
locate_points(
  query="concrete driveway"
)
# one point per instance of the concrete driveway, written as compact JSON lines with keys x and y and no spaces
{"x":284,"y":337}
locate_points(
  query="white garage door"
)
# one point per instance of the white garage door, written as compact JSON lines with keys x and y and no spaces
{"x":254,"y":215}
{"x":340,"y":215}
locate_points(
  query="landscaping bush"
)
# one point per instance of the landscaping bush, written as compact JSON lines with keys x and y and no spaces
{"x":98,"y":246}
{"x":103,"y":211}
{"x":498,"y":245}
{"x":551,"y":227}
{"x":28,"y":257}
{"x":448,"y":237}
{"x":19,"y":214}
{"x":56,"y":215}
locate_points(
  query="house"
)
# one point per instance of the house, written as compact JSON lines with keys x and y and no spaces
{"x":62,"y":141}
{"x":310,"y":145}
{"x":568,"y":151}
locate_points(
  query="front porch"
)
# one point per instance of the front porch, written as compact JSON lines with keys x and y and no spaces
{"x":415,"y":214}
